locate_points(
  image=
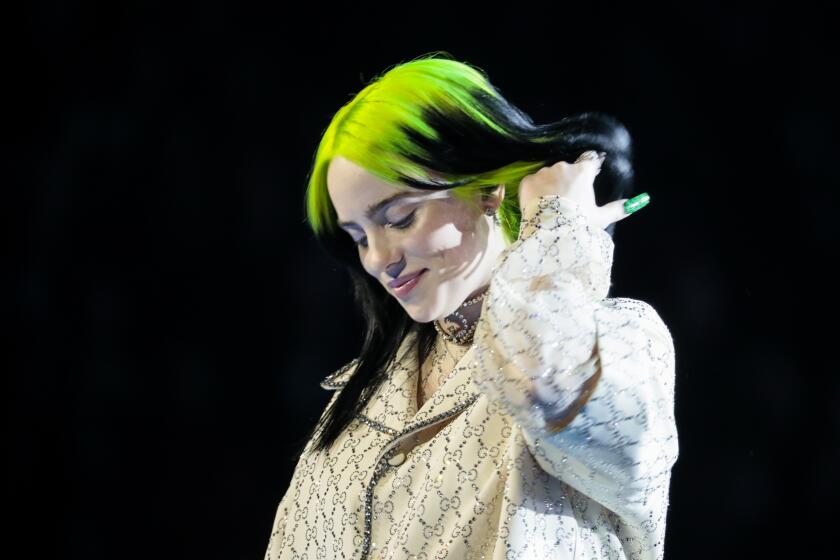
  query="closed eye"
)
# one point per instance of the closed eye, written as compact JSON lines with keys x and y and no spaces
{"x":405,"y":223}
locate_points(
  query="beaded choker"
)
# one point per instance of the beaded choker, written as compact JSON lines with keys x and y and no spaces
{"x":464,"y":335}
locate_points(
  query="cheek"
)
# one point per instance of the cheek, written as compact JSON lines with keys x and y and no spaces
{"x":436,"y":240}
{"x":444,"y":241}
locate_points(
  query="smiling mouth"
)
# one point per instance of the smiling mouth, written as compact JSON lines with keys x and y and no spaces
{"x":403,"y":289}
{"x":406,"y":279}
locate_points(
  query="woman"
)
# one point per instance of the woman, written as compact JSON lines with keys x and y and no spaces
{"x":501,"y":406}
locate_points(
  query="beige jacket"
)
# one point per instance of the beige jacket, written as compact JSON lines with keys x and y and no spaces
{"x":560,"y":434}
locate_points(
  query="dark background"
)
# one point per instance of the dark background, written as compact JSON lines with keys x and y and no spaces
{"x":172,"y":314}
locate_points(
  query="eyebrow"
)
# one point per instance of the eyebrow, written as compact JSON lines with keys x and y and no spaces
{"x":378,"y":207}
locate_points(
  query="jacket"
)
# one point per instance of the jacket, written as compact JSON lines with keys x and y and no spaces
{"x":559,"y":434}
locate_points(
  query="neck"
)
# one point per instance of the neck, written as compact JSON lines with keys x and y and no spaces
{"x":465,"y":317}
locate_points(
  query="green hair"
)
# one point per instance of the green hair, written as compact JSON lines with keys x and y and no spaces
{"x":386,"y":130}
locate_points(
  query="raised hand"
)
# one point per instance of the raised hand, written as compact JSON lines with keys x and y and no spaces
{"x":576,"y":181}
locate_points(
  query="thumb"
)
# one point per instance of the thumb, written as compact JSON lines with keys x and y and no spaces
{"x":627,"y":206}
{"x":636,"y":203}
{"x":620,"y":209}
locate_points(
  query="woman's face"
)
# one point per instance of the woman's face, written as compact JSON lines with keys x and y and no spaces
{"x":453,"y":244}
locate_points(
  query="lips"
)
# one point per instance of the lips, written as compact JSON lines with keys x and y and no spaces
{"x":403,"y":279}
{"x":403,"y":290}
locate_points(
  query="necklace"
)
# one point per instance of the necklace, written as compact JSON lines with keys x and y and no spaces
{"x":464,"y":336}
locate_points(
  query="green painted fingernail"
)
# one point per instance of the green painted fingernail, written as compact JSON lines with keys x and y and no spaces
{"x":636,"y":203}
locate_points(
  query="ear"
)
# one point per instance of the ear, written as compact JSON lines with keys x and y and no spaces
{"x":494,"y":198}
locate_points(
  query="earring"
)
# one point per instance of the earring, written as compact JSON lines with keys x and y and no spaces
{"x":491,"y":212}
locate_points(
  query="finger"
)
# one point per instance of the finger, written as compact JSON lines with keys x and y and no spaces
{"x":591,"y":161}
{"x":620,"y":209}
{"x":636,"y":203}
{"x":589,"y":155}
{"x":590,"y":169}
{"x":613,"y":212}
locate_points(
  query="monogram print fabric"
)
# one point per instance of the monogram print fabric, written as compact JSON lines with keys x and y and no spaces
{"x":558,"y":434}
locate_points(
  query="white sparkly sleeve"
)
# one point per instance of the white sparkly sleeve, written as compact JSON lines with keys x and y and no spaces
{"x":588,"y":378}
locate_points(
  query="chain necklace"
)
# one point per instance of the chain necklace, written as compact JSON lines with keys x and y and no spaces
{"x":465,"y":334}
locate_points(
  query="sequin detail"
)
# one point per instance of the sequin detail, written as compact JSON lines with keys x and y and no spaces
{"x":500,"y":480}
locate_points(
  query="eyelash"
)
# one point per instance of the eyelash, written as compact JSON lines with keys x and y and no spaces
{"x":404,"y":224}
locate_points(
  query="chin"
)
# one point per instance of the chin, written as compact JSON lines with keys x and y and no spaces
{"x":420,"y":314}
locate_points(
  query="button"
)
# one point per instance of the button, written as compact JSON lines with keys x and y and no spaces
{"x":397,"y":459}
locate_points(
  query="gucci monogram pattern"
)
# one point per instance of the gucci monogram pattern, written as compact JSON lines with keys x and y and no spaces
{"x":558,"y":438}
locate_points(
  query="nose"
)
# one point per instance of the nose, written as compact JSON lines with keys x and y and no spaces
{"x":381,"y":255}
{"x":395,"y":269}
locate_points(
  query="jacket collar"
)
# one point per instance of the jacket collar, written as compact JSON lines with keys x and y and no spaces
{"x":393,"y":408}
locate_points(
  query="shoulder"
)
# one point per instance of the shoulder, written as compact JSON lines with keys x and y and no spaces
{"x":338,"y":378}
{"x":637,"y":315}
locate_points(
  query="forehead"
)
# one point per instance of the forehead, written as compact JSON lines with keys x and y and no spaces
{"x":351,"y":185}
{"x":353,"y":189}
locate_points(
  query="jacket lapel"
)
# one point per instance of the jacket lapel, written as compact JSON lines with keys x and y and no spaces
{"x":393,"y":409}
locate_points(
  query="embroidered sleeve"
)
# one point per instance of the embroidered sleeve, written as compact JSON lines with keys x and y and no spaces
{"x":588,"y":378}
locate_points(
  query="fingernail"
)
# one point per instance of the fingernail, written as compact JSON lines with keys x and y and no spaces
{"x":636,"y":203}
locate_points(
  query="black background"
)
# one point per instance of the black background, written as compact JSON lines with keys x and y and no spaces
{"x":172,"y":313}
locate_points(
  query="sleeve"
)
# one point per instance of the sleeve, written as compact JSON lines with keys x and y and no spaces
{"x":588,"y":379}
